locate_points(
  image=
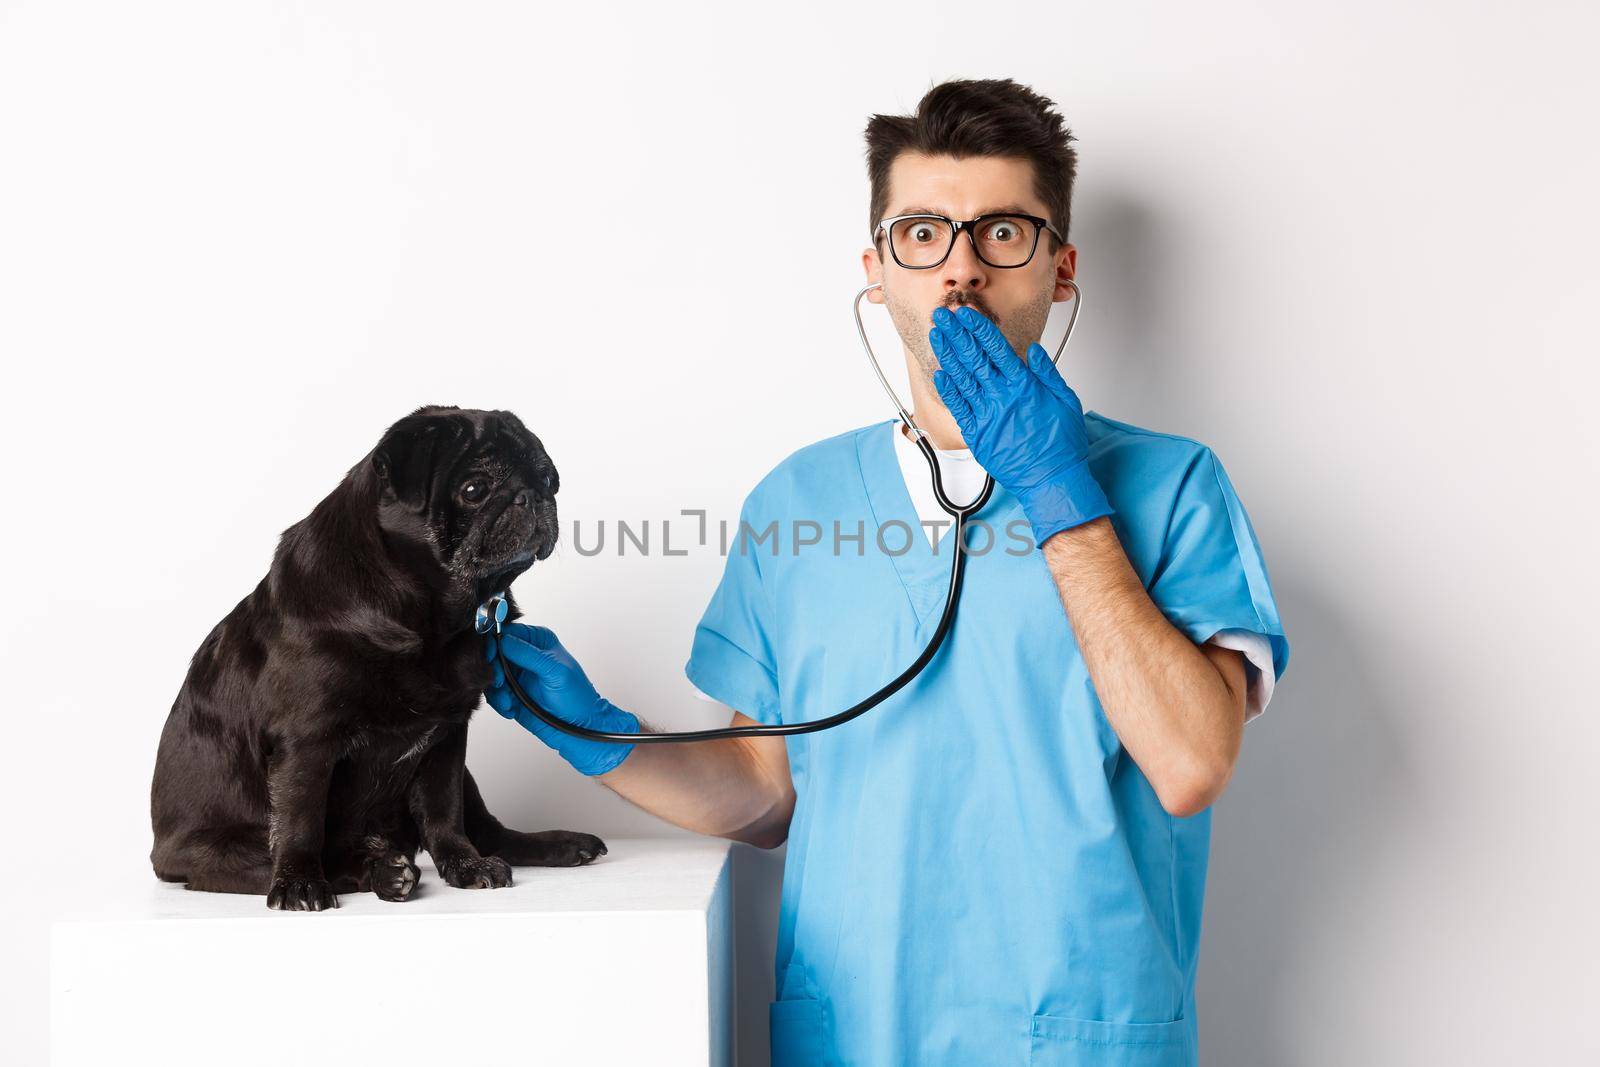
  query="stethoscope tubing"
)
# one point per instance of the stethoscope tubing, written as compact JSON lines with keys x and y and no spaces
{"x":958,"y":568}
{"x":952,"y":597}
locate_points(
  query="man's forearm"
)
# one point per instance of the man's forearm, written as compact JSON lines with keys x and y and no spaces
{"x":711,"y":787}
{"x":1172,"y":707}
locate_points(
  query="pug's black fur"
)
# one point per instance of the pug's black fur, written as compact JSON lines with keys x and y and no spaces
{"x":320,"y":736}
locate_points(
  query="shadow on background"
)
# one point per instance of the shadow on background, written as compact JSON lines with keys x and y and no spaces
{"x":1129,"y":294}
{"x":1318,"y":772}
{"x":1289,"y":838}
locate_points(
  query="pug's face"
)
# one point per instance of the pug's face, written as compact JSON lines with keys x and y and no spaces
{"x":472,"y":490}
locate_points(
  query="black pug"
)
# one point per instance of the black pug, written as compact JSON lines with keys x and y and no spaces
{"x":320,"y":736}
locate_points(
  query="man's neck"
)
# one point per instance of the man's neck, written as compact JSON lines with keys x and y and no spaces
{"x":941,"y":434}
{"x":932,"y":416}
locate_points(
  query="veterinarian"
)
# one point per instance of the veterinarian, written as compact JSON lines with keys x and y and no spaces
{"x":1004,"y":863}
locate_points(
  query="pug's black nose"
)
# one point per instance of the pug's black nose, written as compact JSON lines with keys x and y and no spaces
{"x":524,"y":499}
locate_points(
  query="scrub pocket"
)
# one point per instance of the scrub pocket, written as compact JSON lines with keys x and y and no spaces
{"x":800,"y":1034}
{"x":1059,"y":1041}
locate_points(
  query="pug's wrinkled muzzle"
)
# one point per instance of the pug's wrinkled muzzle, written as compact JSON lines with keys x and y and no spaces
{"x":522,"y":532}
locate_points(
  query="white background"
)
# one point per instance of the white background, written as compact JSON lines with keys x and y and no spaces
{"x":1350,"y":246}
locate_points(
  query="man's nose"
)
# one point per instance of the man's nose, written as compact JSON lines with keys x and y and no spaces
{"x":962,"y":268}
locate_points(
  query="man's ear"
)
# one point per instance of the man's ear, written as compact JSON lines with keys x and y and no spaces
{"x":1066,"y":258}
{"x":873,"y":265}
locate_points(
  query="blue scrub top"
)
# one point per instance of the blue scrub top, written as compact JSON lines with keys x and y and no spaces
{"x":977,"y":873}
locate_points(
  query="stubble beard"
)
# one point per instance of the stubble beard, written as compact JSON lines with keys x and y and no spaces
{"x":1023,"y":327}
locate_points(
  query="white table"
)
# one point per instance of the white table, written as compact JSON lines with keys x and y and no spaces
{"x":625,"y":961}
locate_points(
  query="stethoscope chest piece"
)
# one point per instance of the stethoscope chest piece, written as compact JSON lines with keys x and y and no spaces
{"x":491,"y":615}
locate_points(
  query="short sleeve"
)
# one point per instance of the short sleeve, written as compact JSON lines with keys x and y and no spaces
{"x":1212,"y":577}
{"x":1260,"y":676}
{"x":732,"y":659}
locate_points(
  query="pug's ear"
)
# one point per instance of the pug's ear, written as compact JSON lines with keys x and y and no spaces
{"x":402,"y":460}
{"x":383,"y":470}
{"x":385,"y":464}
{"x":413,"y":448}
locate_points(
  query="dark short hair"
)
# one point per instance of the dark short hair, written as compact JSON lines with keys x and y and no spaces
{"x":991,"y":117}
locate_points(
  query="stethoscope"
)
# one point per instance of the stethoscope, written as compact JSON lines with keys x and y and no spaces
{"x":492,"y":614}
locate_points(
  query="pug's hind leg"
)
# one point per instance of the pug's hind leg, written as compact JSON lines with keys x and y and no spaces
{"x":218,"y":859}
{"x":252,"y":880}
{"x":547,"y":848}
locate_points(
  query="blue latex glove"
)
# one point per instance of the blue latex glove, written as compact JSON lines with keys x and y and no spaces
{"x":548,"y":673}
{"x":1022,"y":422}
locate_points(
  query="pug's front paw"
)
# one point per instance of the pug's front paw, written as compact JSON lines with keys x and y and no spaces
{"x":291,"y":892}
{"x":393,"y":875}
{"x":475,"y":872}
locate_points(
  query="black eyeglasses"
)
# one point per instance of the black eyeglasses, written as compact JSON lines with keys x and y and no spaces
{"x":1006,"y":240}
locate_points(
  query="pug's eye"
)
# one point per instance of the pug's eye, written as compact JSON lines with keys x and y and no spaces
{"x":474,"y":490}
